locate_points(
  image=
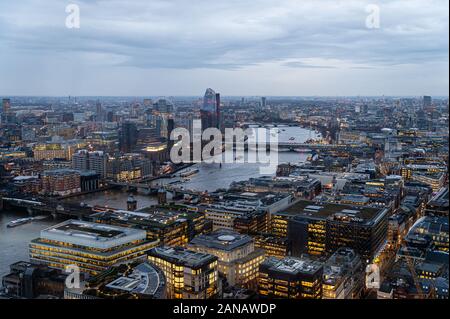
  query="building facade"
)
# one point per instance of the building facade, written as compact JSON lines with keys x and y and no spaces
{"x":60,"y":182}
{"x":290,"y":278}
{"x":92,"y":247}
{"x":189,"y":274}
{"x":238,"y":259}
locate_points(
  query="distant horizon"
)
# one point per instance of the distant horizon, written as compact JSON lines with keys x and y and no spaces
{"x":223,"y":96}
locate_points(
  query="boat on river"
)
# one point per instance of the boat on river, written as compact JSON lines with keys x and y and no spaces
{"x":189,"y":173}
{"x":19,"y":222}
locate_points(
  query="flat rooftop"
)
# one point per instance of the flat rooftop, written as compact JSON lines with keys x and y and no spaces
{"x":292,"y":265}
{"x":317,"y":210}
{"x":430,"y":225}
{"x":243,"y":202}
{"x":265,"y":198}
{"x":314,"y":210}
{"x":150,"y":216}
{"x":278,"y":182}
{"x":179,"y":255}
{"x":93,"y":235}
{"x":248,"y":198}
{"x":222,"y":240}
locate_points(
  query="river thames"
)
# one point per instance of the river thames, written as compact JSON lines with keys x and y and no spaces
{"x":210,"y":177}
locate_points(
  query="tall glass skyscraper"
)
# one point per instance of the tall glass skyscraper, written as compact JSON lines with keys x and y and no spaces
{"x":209,"y":111}
{"x":209,"y":101}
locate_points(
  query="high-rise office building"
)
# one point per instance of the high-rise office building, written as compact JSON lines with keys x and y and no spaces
{"x":263,"y":102}
{"x":207,"y":119}
{"x":208,"y":112}
{"x":189,"y":274}
{"x":99,"y":112}
{"x":218,"y":112}
{"x":95,"y":161}
{"x":128,"y":167}
{"x":427,"y":101}
{"x":290,"y":278}
{"x":238,"y":259}
{"x":80,"y":160}
{"x":6,"y":105}
{"x":128,"y":137}
{"x":321,"y":229}
{"x":6,"y":116}
{"x":160,"y":116}
{"x":209,"y":100}
{"x":110,"y":116}
{"x":343,"y":275}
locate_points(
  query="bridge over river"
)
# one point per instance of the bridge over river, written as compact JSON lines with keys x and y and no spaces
{"x":46,"y":207}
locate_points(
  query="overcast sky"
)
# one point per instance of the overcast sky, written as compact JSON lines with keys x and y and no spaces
{"x":237,"y":47}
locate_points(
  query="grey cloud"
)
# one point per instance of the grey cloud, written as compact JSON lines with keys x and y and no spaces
{"x":298,"y":64}
{"x":181,"y":34}
{"x":228,"y":35}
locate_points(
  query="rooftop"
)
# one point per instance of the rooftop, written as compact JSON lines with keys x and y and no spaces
{"x":150,"y":216}
{"x":258,"y":198}
{"x":61,"y":171}
{"x":244,"y":202}
{"x":310,"y":209}
{"x":222,"y":240}
{"x":145,"y":278}
{"x":293,"y":265}
{"x":430,"y":225}
{"x":182,"y":256}
{"x":440,"y":199}
{"x":94,"y":235}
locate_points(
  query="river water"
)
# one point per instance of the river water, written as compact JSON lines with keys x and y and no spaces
{"x":14,"y":241}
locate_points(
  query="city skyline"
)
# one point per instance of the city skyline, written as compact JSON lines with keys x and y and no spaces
{"x":233,"y":153}
{"x":306,"y":48}
{"x":200,"y":96}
